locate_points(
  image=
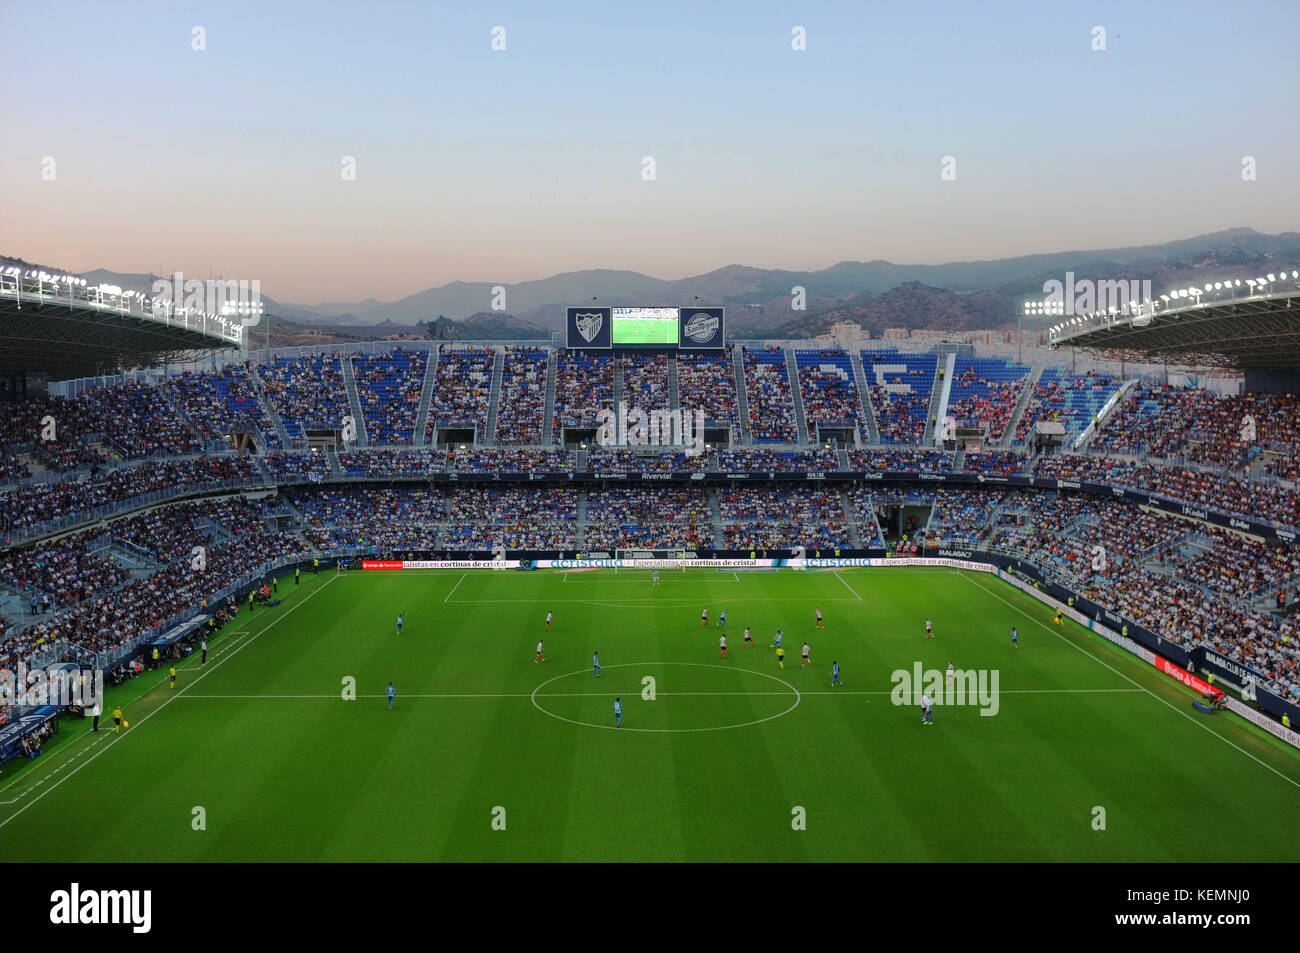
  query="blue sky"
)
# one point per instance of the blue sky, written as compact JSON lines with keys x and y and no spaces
{"x":508,"y":165}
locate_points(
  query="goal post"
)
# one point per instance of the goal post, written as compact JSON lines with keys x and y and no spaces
{"x":630,"y":556}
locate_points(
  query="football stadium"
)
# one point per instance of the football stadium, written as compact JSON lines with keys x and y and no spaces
{"x":1082,"y":578}
{"x":677,"y":436}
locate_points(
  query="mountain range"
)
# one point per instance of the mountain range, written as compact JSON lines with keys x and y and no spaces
{"x":965,"y":295}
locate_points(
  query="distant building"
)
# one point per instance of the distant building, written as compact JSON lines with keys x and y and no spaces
{"x":844,"y":334}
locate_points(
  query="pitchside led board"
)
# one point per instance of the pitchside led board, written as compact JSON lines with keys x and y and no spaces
{"x":687,"y":329}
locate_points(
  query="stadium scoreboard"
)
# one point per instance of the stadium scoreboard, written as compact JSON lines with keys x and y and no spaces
{"x":636,"y":327}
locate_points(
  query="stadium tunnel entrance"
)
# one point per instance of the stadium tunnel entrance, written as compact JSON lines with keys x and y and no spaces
{"x":454,"y":437}
{"x":902,"y":519}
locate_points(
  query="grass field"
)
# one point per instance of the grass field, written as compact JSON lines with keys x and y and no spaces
{"x":285,"y":769}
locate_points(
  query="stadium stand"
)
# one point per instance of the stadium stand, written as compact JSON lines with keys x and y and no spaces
{"x":767,"y":392}
{"x":307,"y":392}
{"x":984,"y":394}
{"x":707,"y":382}
{"x":151,"y":460}
{"x":584,"y":383}
{"x":901,"y":385}
{"x":827,"y":388}
{"x":389,"y":386}
{"x":523,"y":396}
{"x":462,"y":389}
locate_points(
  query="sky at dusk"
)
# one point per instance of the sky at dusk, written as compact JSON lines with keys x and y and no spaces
{"x":122,"y":146}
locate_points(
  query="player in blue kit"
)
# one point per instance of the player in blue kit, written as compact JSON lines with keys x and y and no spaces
{"x":835,"y":674}
{"x":595,"y":665}
{"x":390,"y":696}
{"x":776,"y":642}
{"x":1015,"y":638}
{"x":400,"y":616}
{"x":618,"y":713}
{"x":722,"y":620}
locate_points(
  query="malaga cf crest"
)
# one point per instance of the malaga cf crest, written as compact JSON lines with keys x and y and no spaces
{"x":589,"y":324}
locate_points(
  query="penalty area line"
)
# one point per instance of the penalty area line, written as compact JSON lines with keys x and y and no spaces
{"x":848,"y":587}
{"x":455,"y":587}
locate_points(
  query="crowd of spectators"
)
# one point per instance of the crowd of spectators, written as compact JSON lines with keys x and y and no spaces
{"x":624,"y":460}
{"x":128,"y":420}
{"x":108,"y":622}
{"x":1188,"y":584}
{"x":1236,"y":566}
{"x":767,"y":393}
{"x":993,"y":462}
{"x":901,"y":461}
{"x":962,"y":516}
{"x":781,"y":461}
{"x":648,"y":518}
{"x":1056,"y":398}
{"x":584,"y":385}
{"x":32,"y":506}
{"x":12,"y":470}
{"x":307,"y":392}
{"x":707,"y":382}
{"x":66,"y":571}
{"x":983,"y":403}
{"x":767,"y":517}
{"x":314,"y":465}
{"x":222,"y":404}
{"x":389,"y":387}
{"x":645,"y":381}
{"x":522,"y":402}
{"x":462,"y":388}
{"x":827,"y":389}
{"x":1198,"y":426}
{"x":515,"y":517}
{"x":900,"y":398}
{"x":862,"y":504}
{"x":514,"y":460}
{"x":399,"y":519}
{"x":388,"y":462}
{"x":1227,"y":494}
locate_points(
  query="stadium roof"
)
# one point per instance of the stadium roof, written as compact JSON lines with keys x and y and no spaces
{"x":1252,"y":332}
{"x":59,"y":325}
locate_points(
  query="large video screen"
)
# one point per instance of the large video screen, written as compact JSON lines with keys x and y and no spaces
{"x":645,"y":326}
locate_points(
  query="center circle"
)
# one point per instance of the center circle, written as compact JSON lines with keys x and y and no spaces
{"x":636,"y":694}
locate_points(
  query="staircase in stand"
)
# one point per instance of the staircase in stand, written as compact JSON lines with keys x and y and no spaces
{"x":354,"y":399}
{"x":426,"y":398}
{"x":494,"y":400}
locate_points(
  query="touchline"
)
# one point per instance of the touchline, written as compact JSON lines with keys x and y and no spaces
{"x":101,"y":907}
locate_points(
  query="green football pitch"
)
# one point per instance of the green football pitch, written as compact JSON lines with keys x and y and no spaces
{"x":489,"y":755}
